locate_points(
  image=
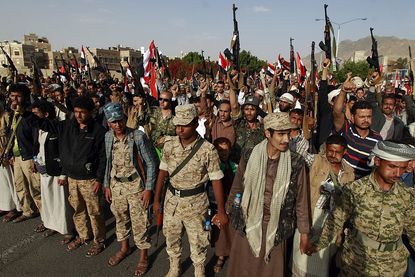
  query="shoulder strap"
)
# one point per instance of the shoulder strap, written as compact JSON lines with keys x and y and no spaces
{"x":196,"y":147}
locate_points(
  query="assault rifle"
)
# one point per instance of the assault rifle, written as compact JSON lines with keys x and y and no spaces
{"x":411,"y":72}
{"x":292,"y":60}
{"x":99,"y":66}
{"x":374,"y":59}
{"x":11,"y":65}
{"x":326,"y":45}
{"x":235,"y":45}
{"x":37,"y":84}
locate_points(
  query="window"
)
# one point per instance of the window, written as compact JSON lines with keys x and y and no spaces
{"x":16,"y":53}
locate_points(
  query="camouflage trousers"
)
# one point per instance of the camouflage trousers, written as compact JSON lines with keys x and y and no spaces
{"x":129,"y":213}
{"x":87,"y":210}
{"x":186,"y":214}
{"x":358,"y":260}
{"x":27,"y":186}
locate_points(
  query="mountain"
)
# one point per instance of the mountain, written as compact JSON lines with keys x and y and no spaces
{"x":390,"y":47}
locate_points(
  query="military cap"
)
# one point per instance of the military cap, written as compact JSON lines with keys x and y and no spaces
{"x":184,"y":114}
{"x":113,"y":112}
{"x":278,"y":122}
{"x":251,"y":100}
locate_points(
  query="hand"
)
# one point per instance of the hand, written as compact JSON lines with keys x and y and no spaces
{"x":306,"y":247}
{"x":156,"y":207}
{"x":146,"y":197}
{"x":326,"y":63}
{"x":62,"y":182}
{"x":375,"y":78}
{"x":348,"y":85}
{"x":96,"y":187}
{"x":32,"y":166}
{"x":108,"y":195}
{"x":203,"y":87}
{"x":220,"y":219}
{"x":174,"y":90}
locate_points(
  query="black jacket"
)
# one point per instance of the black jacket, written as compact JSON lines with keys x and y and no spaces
{"x":25,"y":135}
{"x":81,"y":151}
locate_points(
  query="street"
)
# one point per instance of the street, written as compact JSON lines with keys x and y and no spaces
{"x":26,"y":253}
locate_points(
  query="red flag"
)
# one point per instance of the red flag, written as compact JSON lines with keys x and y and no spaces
{"x":301,"y":68}
{"x":84,"y":63}
{"x":223,"y":62}
{"x":153,"y":86}
{"x":271,"y":69}
{"x":284,"y":64}
{"x":62,"y":69}
{"x":149,"y":55}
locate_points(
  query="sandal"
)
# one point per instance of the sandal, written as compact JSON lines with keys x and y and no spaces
{"x":118,"y":257}
{"x":40,"y":228}
{"x":141,"y":268}
{"x":95,"y":249}
{"x":219,"y":264}
{"x":10,"y":216}
{"x":67,"y":239}
{"x":48,"y":233}
{"x":78,"y":242}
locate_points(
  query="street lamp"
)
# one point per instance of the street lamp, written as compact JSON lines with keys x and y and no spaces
{"x":338,"y":31}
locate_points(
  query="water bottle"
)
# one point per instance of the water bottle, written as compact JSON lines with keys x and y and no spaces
{"x":207,"y":224}
{"x":237,"y":200}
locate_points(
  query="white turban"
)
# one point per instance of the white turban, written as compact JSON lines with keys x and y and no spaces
{"x":393,"y":152}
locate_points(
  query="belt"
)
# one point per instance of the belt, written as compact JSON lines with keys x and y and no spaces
{"x":380,"y":246}
{"x":130,"y":178}
{"x":187,"y":192}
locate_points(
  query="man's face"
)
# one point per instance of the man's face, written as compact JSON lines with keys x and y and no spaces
{"x":117,"y":126}
{"x":360,"y":93}
{"x":296,"y":119}
{"x":362,"y":119}
{"x":96,"y":103}
{"x":186,"y":131}
{"x":250,"y":113}
{"x":224,"y":112}
{"x":82,"y":115}
{"x":388,"y":106}
{"x":334,"y":153}
{"x":137,"y":101}
{"x":224,"y":151}
{"x":284,"y":106}
{"x":38,"y":113}
{"x":279,"y":139}
{"x":164,"y":101}
{"x":390,"y":172}
{"x":58,"y":96}
{"x":16,"y":98}
{"x":219,"y":88}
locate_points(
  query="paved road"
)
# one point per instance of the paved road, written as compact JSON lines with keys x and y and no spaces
{"x":25,"y":253}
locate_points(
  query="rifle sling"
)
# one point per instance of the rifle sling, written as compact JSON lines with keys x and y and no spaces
{"x":196,"y":147}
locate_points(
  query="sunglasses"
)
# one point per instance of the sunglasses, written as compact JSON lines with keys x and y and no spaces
{"x":164,"y":99}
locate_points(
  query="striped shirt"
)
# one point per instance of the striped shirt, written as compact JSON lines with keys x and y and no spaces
{"x":359,"y":149}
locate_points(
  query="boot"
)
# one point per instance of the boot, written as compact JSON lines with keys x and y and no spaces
{"x":199,"y":270}
{"x":174,"y":270}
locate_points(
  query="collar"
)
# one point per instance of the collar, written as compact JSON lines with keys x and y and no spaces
{"x":376,"y":187}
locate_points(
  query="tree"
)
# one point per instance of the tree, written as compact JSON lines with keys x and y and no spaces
{"x":250,"y":62}
{"x":360,"y":69}
{"x":193,"y":58}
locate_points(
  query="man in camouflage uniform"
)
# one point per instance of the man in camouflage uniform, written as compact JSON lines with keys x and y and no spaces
{"x":127,"y":187}
{"x":249,"y":130}
{"x":186,"y":202}
{"x":161,"y":121}
{"x":379,"y":208}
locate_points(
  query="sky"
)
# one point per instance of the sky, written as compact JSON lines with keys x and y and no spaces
{"x":181,"y":26}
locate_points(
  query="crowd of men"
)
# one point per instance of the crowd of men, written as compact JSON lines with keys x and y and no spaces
{"x":238,"y":164}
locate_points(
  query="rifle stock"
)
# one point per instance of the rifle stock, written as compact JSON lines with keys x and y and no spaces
{"x":374,"y":59}
{"x":12,"y":67}
{"x":326,"y":45}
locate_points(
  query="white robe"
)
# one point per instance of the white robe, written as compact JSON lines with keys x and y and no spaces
{"x":8,"y":196}
{"x":56,"y":212}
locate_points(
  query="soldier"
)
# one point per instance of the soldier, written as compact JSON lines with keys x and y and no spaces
{"x":161,"y":120}
{"x":186,"y":202}
{"x":379,"y":208}
{"x":127,"y":187}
